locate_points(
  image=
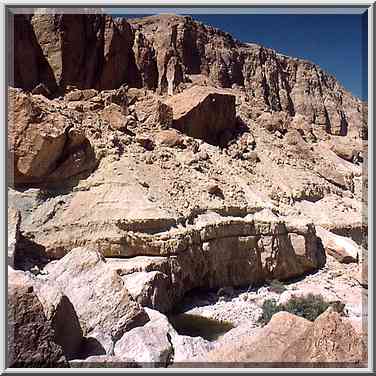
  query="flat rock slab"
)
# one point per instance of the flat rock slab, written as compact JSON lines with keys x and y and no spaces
{"x":343,"y":249}
{"x":203,"y":112}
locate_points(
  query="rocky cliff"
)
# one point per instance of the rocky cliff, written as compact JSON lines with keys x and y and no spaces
{"x":164,"y":52}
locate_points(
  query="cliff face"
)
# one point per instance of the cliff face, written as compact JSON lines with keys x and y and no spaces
{"x":165,"y":52}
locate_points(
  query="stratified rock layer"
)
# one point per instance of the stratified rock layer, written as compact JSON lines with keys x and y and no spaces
{"x":167,"y":51}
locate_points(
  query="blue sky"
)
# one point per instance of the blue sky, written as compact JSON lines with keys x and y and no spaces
{"x":336,"y":42}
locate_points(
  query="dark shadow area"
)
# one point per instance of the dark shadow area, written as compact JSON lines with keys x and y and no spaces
{"x":89,"y":347}
{"x":227,"y":137}
{"x":28,"y":255}
{"x":67,"y":329}
{"x":199,"y":326}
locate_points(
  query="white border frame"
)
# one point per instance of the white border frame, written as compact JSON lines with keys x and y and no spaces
{"x":180,"y":3}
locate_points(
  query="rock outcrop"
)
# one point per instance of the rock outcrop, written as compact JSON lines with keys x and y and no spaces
{"x":28,"y":49}
{"x":45,"y":142}
{"x":87,"y":50}
{"x":33,"y":334}
{"x":85,"y":279}
{"x":330,"y":339}
{"x":166,"y":51}
{"x":341,"y":248}
{"x":203,"y":112}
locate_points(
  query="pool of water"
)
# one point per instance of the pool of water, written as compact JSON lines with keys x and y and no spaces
{"x":199,"y":326}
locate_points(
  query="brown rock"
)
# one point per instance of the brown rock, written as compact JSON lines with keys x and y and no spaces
{"x":41,"y":89}
{"x":276,"y":121}
{"x":153,"y":113}
{"x":115,"y":116}
{"x":145,"y":141}
{"x":40,"y":148}
{"x":31,"y":335}
{"x":349,"y":152}
{"x":170,"y":138}
{"x":164,"y":51}
{"x":119,"y":66}
{"x":27,"y":49}
{"x":203,"y":112}
{"x":330,"y":339}
{"x":36,"y":139}
{"x":75,"y":95}
{"x":145,"y":57}
{"x":254,"y":349}
{"x":87,"y":50}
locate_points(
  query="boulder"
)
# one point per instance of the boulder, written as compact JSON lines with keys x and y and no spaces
{"x":170,"y":138}
{"x":115,"y":116}
{"x":32,"y":332}
{"x":187,"y":348}
{"x":150,"y":289}
{"x":275,"y":121}
{"x":153,"y":113}
{"x":254,"y":349}
{"x":86,"y":280}
{"x":148,"y":345}
{"x":342,"y":249}
{"x":329,"y":340}
{"x":349,"y":152}
{"x":203,"y":112}
{"x":44,"y":145}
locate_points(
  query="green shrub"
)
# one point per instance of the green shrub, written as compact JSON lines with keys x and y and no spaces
{"x":276,"y":286}
{"x":269,"y":308}
{"x":309,"y":307}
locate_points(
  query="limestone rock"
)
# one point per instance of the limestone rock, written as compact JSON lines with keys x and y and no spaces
{"x":148,"y":345}
{"x":153,"y":113}
{"x":330,"y":339}
{"x":169,"y":138}
{"x":85,"y":279}
{"x":203,"y":112}
{"x":40,"y":148}
{"x":31,"y":334}
{"x":343,"y":249}
{"x":115,"y":117}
